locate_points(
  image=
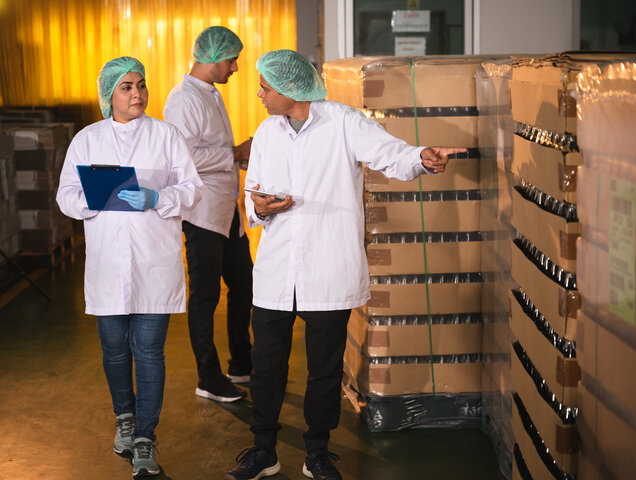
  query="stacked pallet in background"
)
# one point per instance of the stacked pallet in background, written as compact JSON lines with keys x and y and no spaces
{"x":495,"y":150}
{"x":544,"y":304}
{"x":9,"y":217}
{"x":40,"y":148}
{"x":396,"y":373}
{"x":606,"y":275}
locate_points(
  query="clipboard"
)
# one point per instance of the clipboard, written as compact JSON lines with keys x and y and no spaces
{"x":102,"y":183}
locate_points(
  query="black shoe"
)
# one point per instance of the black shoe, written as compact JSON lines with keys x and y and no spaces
{"x":254,"y":463}
{"x":318,"y":466}
{"x":221,"y":390}
{"x":237,"y":374}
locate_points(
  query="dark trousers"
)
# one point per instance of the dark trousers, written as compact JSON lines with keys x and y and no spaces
{"x":211,"y":255}
{"x":325,"y":339}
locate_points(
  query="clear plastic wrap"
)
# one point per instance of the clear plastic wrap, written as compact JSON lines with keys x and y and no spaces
{"x":495,"y":145}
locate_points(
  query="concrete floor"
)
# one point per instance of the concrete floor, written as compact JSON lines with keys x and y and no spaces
{"x":56,"y":419}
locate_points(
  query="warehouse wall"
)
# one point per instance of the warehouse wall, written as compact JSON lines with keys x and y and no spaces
{"x":499,"y":26}
{"x":519,"y":26}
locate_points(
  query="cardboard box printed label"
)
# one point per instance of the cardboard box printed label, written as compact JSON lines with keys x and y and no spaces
{"x":408,"y":258}
{"x":548,"y":169}
{"x":560,"y":373}
{"x":550,"y":233}
{"x":400,"y":340}
{"x":460,"y":174}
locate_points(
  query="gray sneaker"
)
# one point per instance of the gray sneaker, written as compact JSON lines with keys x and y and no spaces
{"x":144,"y":458}
{"x":123,"y":438}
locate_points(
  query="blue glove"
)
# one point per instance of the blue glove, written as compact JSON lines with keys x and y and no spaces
{"x":141,"y":199}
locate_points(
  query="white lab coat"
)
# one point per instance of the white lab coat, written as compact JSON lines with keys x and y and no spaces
{"x":134,"y":260}
{"x":317,"y":247}
{"x":196,"y":108}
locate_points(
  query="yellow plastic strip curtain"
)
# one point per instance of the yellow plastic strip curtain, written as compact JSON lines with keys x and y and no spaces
{"x":51,"y":51}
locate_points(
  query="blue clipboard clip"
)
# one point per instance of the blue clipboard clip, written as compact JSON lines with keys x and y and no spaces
{"x":102,"y":183}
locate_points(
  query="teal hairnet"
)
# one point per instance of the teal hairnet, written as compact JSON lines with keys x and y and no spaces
{"x":291,"y":74}
{"x":216,"y":44}
{"x":110,"y":75}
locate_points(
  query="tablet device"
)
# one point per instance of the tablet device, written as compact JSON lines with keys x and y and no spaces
{"x":262,"y":193}
{"x":102,"y":183}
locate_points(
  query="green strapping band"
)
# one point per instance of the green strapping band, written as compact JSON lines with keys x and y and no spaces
{"x":428,"y":303}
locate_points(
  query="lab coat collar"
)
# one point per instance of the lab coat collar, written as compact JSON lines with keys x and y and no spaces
{"x":312,"y":118}
{"x":200,"y":83}
{"x":128,"y":126}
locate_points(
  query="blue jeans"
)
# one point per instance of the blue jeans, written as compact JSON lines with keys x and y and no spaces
{"x":142,"y":337}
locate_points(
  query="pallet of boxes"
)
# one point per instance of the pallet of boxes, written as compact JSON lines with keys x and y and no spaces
{"x":46,"y":234}
{"x":9,"y":217}
{"x":606,"y":275}
{"x":413,"y":355}
{"x":545,"y":301}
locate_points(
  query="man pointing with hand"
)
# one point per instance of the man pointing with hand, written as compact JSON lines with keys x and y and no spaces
{"x":311,"y":260}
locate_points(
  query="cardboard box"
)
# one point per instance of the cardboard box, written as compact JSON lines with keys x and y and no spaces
{"x":532,"y":459}
{"x":410,"y":299}
{"x":560,"y":439}
{"x":434,"y":131}
{"x":593,"y":210}
{"x":409,"y":378}
{"x":460,"y":174}
{"x":40,"y":219}
{"x":401,"y":340}
{"x":589,"y":469}
{"x":386,"y":82}
{"x":447,"y":216}
{"x":607,"y":357}
{"x":408,"y":258}
{"x":560,"y":373}
{"x":37,"y":179}
{"x":607,"y":434}
{"x":548,"y":169}
{"x":606,"y":113}
{"x":550,"y":233}
{"x":558,"y":305}
{"x":541,"y":89}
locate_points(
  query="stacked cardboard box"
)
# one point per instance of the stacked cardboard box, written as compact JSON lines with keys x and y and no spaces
{"x":9,"y":218}
{"x":39,"y":154}
{"x":495,"y":148}
{"x":544,"y":304}
{"x":606,"y":261}
{"x":402,"y":367}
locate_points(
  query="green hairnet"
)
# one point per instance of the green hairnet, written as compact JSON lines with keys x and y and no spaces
{"x":291,"y":74}
{"x":110,"y":75}
{"x":216,"y":44}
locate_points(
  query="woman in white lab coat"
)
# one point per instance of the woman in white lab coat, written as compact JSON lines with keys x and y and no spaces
{"x":134,"y":276}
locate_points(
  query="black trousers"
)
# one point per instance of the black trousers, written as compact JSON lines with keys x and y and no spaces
{"x":211,"y":256}
{"x":325,"y":339}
